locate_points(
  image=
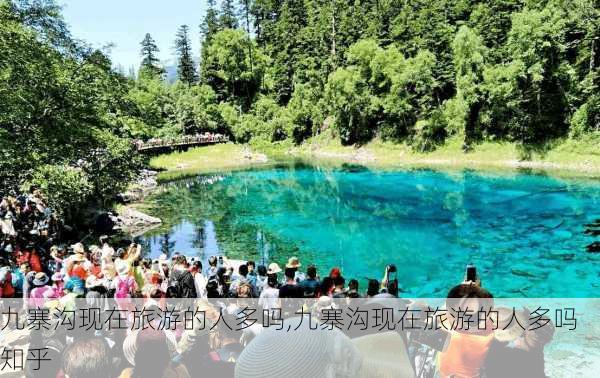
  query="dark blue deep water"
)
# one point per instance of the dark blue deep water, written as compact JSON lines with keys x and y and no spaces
{"x":524,"y":232}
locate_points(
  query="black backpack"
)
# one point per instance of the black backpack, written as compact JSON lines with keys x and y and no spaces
{"x":181,"y":285}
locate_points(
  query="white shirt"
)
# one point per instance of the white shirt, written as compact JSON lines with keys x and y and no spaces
{"x":269,"y":298}
{"x":200,"y":283}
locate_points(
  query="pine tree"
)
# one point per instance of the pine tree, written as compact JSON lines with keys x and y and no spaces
{"x":150,"y":61}
{"x":210,"y":26}
{"x":185,"y":64}
{"x":228,"y":18}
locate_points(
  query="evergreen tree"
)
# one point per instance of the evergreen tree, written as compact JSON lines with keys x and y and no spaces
{"x":210,"y":24}
{"x":228,"y":18}
{"x":150,"y":62}
{"x":185,"y":64}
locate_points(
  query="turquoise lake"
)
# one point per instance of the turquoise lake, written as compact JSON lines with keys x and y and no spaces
{"x":524,"y":232}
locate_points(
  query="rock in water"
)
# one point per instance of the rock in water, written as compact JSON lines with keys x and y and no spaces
{"x":134,"y":222}
{"x":594,"y":247}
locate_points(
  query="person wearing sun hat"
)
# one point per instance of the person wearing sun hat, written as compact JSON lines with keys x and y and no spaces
{"x":78,"y":249}
{"x":75,"y":266}
{"x":124,"y":284}
{"x":310,"y":351}
{"x":42,"y":291}
{"x":294,"y":263}
{"x":273,"y":268}
{"x":58,"y":282}
{"x":518,"y":349}
{"x":149,"y":351}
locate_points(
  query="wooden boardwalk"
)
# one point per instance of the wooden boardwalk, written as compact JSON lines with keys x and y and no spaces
{"x":156,"y":144}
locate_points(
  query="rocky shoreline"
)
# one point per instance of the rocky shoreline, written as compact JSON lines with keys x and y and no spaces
{"x":132,"y":221}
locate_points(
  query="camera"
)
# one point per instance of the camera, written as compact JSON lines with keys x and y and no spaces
{"x":470,"y":273}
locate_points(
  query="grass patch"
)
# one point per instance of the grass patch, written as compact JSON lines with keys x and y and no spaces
{"x":219,"y":157}
{"x":566,"y":157}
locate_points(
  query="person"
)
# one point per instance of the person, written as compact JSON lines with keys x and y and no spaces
{"x":372,"y":288}
{"x":310,"y":351}
{"x":88,"y":358}
{"x":294,"y":263}
{"x":18,"y":279}
{"x":251,"y":268}
{"x":58,"y":283}
{"x":199,"y":279}
{"x":261,"y":279}
{"x":326,"y":288}
{"x":518,"y":348}
{"x":212,"y":267}
{"x":338,"y":287}
{"x":75,"y":286}
{"x":229,"y":340}
{"x":467,"y":348}
{"x":41,"y":290}
{"x":273,"y":269}
{"x":181,"y":281}
{"x":311,"y":284}
{"x":124,"y":285}
{"x":149,"y":352}
{"x":334,"y":273}
{"x":269,"y":297}
{"x":389,"y":283}
{"x":353,"y":289}
{"x":96,"y":291}
{"x":197,"y":356}
{"x":241,"y":279}
{"x":290,"y":289}
{"x":6,"y":287}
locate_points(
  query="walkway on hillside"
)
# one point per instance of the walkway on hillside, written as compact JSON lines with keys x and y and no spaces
{"x":185,"y":141}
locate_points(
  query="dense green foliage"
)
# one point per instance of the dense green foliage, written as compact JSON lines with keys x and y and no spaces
{"x":61,"y":111}
{"x":523,"y":71}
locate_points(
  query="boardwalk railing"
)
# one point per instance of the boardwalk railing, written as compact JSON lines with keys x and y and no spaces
{"x":184,"y":141}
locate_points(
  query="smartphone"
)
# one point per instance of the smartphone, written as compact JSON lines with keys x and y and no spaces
{"x":471,"y":273}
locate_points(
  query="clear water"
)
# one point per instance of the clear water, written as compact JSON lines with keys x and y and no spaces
{"x":524,"y":232}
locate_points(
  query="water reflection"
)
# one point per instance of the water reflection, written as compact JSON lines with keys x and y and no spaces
{"x":524,"y":232}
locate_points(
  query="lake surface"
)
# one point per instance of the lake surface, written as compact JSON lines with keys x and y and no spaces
{"x":524,"y":232}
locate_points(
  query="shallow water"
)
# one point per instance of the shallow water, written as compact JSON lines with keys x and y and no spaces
{"x":524,"y":232}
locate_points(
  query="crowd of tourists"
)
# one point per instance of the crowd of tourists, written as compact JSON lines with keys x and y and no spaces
{"x":38,"y":271}
{"x":186,"y":139}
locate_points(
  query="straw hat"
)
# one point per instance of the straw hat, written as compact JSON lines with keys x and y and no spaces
{"x":293,"y":262}
{"x":78,"y":248}
{"x":323,"y":353}
{"x":511,"y":326}
{"x":273,"y":268}
{"x":40,"y":279}
{"x":122,"y":268}
{"x":131,"y":342}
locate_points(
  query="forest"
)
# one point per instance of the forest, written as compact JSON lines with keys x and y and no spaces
{"x":411,"y":71}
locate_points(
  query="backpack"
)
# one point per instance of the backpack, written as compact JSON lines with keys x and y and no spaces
{"x":123,"y":288}
{"x":178,"y":287}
